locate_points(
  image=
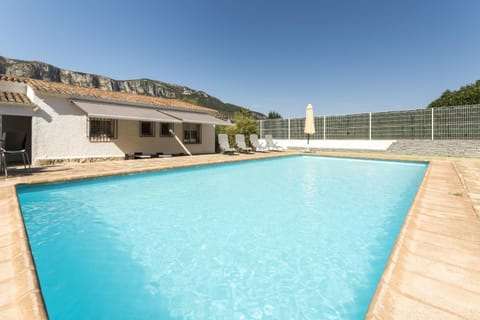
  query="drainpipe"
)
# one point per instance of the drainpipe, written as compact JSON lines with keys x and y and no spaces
{"x":180,"y":142}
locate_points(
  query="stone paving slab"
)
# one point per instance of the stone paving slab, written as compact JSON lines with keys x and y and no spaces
{"x":433,"y":271}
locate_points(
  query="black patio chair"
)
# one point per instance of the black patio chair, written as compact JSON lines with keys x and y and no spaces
{"x":3,"y":163}
{"x":14,"y":144}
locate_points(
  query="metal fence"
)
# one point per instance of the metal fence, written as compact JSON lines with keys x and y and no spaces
{"x":445,"y":123}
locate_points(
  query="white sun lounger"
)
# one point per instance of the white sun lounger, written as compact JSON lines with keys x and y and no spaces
{"x":224,"y":145}
{"x":256,"y":144}
{"x":272,"y":145}
{"x":242,"y":146}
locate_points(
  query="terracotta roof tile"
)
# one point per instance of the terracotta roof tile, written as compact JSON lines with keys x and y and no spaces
{"x":8,"y":77}
{"x":114,"y":96}
{"x":14,"y":97}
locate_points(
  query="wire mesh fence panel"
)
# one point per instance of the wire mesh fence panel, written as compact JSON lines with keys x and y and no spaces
{"x":318,"y":129}
{"x":353,"y":126}
{"x":297,"y":127}
{"x":411,"y":124}
{"x":278,"y":128}
{"x":457,"y":123}
{"x":462,"y":122}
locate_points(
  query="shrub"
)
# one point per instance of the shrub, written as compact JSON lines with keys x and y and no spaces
{"x":243,"y":123}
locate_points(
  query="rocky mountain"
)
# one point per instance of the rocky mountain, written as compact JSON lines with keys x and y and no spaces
{"x":48,"y":72}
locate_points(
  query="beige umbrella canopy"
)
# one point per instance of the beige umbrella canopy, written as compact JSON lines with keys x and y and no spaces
{"x":309,"y":124}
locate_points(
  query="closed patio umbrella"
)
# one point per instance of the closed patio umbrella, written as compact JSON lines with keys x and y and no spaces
{"x":309,"y":125}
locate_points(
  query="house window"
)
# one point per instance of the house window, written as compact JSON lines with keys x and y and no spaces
{"x":165,"y":129}
{"x":191,"y":133}
{"x":102,"y":129}
{"x":147,"y":129}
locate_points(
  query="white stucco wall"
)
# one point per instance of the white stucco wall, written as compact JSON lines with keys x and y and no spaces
{"x":59,"y":131}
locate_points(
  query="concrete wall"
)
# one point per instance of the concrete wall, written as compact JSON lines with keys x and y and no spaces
{"x":449,"y":148}
{"x":335,"y":144}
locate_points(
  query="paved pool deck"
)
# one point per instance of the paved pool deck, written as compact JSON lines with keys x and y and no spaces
{"x":433,"y":271}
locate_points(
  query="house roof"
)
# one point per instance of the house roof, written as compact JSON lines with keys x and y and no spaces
{"x":95,"y":93}
{"x":14,"y":97}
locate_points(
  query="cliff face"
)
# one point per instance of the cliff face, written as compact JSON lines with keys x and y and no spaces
{"x":47,"y":72}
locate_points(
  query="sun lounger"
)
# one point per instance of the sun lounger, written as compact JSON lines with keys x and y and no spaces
{"x":140,"y":155}
{"x":161,"y":155}
{"x":242,"y":146}
{"x":256,"y":144}
{"x":224,"y":145}
{"x":272,"y":145}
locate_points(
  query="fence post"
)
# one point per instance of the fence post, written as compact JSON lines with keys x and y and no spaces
{"x":432,"y":124}
{"x":370,"y":127}
{"x":288,"y":128}
{"x":324,"y":128}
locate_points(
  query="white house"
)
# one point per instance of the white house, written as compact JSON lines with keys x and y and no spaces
{"x":66,"y":122}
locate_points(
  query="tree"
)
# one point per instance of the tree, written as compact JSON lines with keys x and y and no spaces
{"x":244,"y":124}
{"x":469,"y":94}
{"x":274,"y":115}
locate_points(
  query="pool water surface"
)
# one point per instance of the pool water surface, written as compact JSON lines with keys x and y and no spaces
{"x":299,"y":237}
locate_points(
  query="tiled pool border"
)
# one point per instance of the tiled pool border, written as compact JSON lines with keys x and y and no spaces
{"x":20,"y":296}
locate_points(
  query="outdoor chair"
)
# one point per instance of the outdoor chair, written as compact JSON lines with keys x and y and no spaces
{"x":256,"y":144}
{"x":224,"y":144}
{"x":161,"y":155}
{"x":3,"y":163}
{"x":13,"y":144}
{"x":140,"y":155}
{"x":242,"y":146}
{"x":272,"y":145}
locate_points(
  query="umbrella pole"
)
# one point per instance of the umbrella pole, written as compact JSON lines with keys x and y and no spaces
{"x":308,"y":143}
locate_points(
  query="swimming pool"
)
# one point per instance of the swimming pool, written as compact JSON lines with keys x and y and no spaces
{"x":298,"y":237}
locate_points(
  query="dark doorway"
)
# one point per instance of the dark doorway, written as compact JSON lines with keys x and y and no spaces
{"x":18,"y":124}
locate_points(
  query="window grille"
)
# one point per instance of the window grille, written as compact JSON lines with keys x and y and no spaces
{"x":191,"y":133}
{"x":147,"y":129}
{"x":165,"y":129}
{"x":101,"y":130}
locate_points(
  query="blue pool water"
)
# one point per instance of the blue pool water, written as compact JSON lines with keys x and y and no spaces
{"x":293,"y":238}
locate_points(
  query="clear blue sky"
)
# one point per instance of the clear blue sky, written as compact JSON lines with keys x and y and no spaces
{"x":341,"y":56}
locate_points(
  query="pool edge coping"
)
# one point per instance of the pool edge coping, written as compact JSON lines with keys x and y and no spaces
{"x":390,"y":265}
